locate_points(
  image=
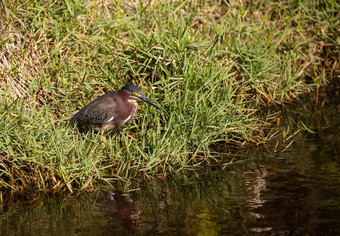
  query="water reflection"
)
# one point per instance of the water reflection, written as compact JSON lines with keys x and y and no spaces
{"x":121,"y":207}
{"x":106,"y":213}
{"x":300,"y":198}
{"x":291,"y":193}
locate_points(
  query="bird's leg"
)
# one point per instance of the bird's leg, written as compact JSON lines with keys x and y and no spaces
{"x":103,"y":139}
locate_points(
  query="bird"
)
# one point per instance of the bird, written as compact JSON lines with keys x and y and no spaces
{"x":111,"y":110}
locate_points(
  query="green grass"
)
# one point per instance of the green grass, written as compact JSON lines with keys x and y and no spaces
{"x":214,"y":67}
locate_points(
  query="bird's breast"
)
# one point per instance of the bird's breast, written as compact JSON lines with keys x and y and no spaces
{"x":130,"y":111}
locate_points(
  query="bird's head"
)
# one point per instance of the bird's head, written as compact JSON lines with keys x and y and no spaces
{"x":137,"y":94}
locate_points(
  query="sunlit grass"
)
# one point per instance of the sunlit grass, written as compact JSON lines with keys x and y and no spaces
{"x":213,"y":67}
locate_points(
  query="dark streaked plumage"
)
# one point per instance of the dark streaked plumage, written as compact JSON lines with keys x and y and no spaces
{"x":112,"y":110}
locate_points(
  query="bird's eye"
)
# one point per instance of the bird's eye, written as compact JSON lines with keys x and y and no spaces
{"x":136,"y":94}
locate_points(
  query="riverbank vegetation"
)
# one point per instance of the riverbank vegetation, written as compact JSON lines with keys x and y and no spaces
{"x":219,"y":70}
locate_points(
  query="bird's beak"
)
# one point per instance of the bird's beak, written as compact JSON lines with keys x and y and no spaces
{"x":145,"y":99}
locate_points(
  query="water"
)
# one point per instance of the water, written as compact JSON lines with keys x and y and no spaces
{"x":296,"y":192}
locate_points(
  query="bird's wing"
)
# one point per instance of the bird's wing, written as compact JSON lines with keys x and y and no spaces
{"x":99,"y":111}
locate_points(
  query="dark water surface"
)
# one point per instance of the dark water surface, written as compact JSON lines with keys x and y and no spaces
{"x":296,"y":192}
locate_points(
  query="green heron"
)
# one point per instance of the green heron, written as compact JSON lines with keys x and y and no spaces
{"x":111,"y":110}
